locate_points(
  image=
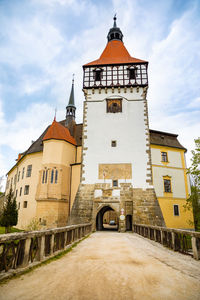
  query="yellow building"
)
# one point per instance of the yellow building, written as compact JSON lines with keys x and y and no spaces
{"x":170,"y":178}
{"x":46,"y":176}
{"x":127,"y":168}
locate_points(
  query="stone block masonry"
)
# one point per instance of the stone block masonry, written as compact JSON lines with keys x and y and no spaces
{"x":141,"y":204}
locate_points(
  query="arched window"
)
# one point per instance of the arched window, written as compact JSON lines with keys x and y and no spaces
{"x":52,"y":175}
{"x":43,"y":176}
{"x":56,"y":176}
{"x":97,"y":74}
{"x":132,"y":71}
{"x":46,"y":176}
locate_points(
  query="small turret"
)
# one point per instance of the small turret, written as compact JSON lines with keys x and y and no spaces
{"x":115,"y":32}
{"x":71,"y":108}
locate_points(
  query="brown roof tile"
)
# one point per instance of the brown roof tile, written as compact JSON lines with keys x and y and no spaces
{"x":165,"y":139}
{"x":59,"y":132}
{"x":115,"y":53}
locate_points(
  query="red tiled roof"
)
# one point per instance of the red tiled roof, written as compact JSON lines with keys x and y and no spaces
{"x":115,"y":53}
{"x":59,"y":132}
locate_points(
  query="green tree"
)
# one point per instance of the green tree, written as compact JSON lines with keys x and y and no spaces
{"x":9,"y":214}
{"x":193,"y":202}
{"x":194,"y":170}
{"x":1,"y":180}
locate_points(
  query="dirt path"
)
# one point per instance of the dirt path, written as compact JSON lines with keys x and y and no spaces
{"x":111,"y":265}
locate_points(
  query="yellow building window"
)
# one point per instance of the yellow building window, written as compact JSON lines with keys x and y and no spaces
{"x":46,"y":176}
{"x":167,"y":185}
{"x":43,"y":176}
{"x":56,"y":176}
{"x":164,"y":157}
{"x":52,"y":175}
{"x":176,"y":210}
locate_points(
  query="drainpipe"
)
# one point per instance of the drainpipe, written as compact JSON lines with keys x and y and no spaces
{"x":70,"y":188}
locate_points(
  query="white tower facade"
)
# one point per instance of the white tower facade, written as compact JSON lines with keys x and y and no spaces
{"x":116,"y":159}
{"x":116,"y":132}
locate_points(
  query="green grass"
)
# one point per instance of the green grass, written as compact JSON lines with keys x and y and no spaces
{"x":2,"y":230}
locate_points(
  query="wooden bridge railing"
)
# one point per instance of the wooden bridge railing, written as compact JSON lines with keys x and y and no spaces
{"x":19,"y":250}
{"x":184,"y":241}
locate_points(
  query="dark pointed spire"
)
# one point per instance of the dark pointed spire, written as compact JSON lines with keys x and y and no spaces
{"x":115,"y":32}
{"x":71,"y":108}
{"x":71,"y":98}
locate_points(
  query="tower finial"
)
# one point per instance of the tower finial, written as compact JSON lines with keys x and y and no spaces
{"x":115,"y":18}
{"x":55,"y":114}
{"x":115,"y":32}
{"x":73,"y":78}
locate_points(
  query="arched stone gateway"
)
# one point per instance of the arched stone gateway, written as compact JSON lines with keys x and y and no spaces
{"x":100,"y":218}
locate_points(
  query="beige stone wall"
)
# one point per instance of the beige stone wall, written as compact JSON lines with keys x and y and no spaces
{"x":109,"y":216}
{"x":26,"y":214}
{"x":53,"y":190}
{"x":53,"y":197}
{"x":75,"y":181}
{"x":47,"y":201}
{"x":78,"y":154}
{"x":58,"y":152}
{"x":52,"y":213}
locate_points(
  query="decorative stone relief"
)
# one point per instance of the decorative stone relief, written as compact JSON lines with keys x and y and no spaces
{"x":115,"y":171}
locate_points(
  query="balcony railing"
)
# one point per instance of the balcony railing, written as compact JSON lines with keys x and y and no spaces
{"x":20,"y":250}
{"x":183,"y":241}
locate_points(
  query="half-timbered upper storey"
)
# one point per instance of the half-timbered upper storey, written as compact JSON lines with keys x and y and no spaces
{"x":115,"y":67}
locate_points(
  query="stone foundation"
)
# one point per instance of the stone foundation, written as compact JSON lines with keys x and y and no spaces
{"x":141,"y":204}
{"x":52,"y":213}
{"x":146,"y":209}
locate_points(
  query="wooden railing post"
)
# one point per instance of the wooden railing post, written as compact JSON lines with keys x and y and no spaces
{"x":52,"y":244}
{"x":149,"y":233}
{"x":154,"y":231}
{"x":65,"y":239}
{"x":41,"y":254}
{"x":161,"y":236}
{"x":173,"y":241}
{"x":26,"y":253}
{"x":196,"y":251}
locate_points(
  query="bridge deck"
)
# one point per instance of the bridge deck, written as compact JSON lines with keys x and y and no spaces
{"x":111,"y":265}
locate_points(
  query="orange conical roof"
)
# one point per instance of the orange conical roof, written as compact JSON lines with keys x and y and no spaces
{"x":59,"y":132}
{"x":115,"y":53}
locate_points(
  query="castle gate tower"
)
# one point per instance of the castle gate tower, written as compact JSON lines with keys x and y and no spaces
{"x":116,"y":158}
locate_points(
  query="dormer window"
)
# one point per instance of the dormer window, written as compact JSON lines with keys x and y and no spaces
{"x":97,"y":74}
{"x":132,"y":72}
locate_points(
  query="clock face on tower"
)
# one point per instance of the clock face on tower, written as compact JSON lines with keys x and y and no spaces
{"x":114,"y":105}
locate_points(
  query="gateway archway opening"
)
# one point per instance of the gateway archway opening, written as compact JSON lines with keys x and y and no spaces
{"x":128,"y":223}
{"x":107,"y":219}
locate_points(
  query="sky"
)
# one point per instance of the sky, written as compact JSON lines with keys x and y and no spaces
{"x":43,"y":42}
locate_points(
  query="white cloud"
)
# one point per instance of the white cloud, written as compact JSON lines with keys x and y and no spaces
{"x":32,"y":42}
{"x":26,"y":126}
{"x":195,"y":103}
